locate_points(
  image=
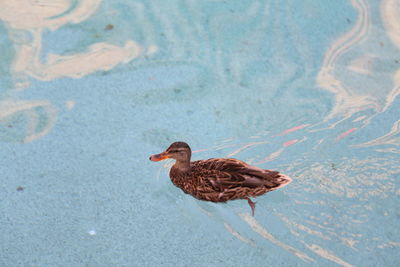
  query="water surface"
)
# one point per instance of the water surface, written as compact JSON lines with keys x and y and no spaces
{"x":90,"y":88}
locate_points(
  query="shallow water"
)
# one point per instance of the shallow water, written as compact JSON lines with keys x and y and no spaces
{"x":90,"y":88}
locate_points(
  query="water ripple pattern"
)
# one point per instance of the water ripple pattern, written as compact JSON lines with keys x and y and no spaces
{"x":90,"y":88}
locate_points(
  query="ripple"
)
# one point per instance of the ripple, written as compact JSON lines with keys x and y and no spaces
{"x":356,"y":70}
{"x":25,"y":121}
{"x":264,"y":233}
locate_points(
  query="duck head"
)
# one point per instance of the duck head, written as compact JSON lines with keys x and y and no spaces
{"x":179,"y":151}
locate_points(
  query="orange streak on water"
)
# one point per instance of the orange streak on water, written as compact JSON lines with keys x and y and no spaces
{"x":290,"y":142}
{"x":293,"y":129}
{"x":344,"y":134}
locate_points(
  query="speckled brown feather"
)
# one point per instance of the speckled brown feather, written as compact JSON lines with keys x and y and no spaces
{"x":220,"y":180}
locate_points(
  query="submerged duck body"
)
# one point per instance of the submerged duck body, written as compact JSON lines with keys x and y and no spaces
{"x":219,"y":179}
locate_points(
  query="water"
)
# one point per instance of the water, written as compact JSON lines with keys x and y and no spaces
{"x":90,"y":88}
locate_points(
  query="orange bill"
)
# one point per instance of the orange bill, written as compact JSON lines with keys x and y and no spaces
{"x":158,"y":157}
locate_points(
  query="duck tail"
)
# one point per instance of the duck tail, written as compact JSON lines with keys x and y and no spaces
{"x":282,"y":180}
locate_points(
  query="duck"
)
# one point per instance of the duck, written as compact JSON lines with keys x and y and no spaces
{"x":219,"y":179}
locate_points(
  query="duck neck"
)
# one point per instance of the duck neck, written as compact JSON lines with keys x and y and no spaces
{"x":182,"y":165}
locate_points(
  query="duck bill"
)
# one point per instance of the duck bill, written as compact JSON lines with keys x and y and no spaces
{"x":158,"y":157}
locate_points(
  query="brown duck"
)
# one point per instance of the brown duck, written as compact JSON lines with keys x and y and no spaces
{"x":219,"y":179}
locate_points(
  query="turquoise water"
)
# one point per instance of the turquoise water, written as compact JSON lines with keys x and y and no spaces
{"x":89,"y":89}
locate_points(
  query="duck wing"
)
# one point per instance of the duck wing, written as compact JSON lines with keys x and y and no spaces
{"x":224,"y":174}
